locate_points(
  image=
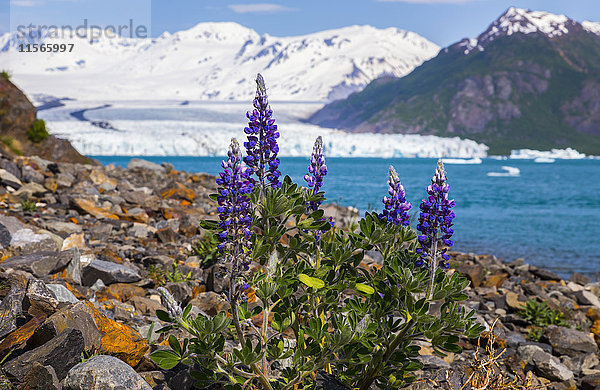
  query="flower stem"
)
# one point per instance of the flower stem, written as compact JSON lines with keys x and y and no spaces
{"x":433,"y":268}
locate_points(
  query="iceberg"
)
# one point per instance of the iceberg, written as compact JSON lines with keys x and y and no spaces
{"x":529,"y":154}
{"x":509,"y":172}
{"x":462,"y":161}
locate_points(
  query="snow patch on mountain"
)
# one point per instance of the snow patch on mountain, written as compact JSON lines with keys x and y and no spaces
{"x":592,"y":27}
{"x":524,"y":21}
{"x":215,"y":61}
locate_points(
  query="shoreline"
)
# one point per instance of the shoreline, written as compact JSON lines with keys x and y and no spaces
{"x":102,"y":239}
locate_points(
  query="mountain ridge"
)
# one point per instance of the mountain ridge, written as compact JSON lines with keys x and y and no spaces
{"x":519,"y":84}
{"x":217,"y":61}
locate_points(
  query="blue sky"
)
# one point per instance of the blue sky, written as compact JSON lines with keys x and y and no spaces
{"x":442,"y":21}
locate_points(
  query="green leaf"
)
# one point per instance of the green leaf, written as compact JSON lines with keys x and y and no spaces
{"x":165,"y":359}
{"x":311,"y":282}
{"x":365,"y":288}
{"x":174,"y":344}
{"x":163,"y":316}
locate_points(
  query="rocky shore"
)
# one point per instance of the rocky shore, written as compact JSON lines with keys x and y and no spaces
{"x":83,"y":249}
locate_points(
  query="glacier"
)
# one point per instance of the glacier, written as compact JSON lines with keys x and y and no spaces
{"x":206,"y":129}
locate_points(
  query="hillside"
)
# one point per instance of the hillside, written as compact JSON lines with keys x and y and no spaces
{"x":531,"y":80}
{"x":215,"y":61}
{"x":17,"y":116}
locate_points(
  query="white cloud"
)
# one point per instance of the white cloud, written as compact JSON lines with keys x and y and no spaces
{"x":258,"y":8}
{"x":25,"y":3}
{"x":427,"y":1}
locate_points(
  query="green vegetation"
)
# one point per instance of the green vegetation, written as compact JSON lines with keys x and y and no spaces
{"x":541,"y":315}
{"x":162,"y":276}
{"x":206,"y":249}
{"x":88,"y":354}
{"x":38,"y":133}
{"x":28,"y":206}
{"x":5,"y":75}
{"x":10,"y":144}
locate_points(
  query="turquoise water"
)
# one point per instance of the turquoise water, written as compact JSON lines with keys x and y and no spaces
{"x":549,"y":214}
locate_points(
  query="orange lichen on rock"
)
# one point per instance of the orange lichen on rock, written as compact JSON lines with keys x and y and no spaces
{"x":179,"y":192}
{"x":594,"y":315}
{"x":19,"y":337}
{"x":120,"y":291}
{"x":120,"y":340}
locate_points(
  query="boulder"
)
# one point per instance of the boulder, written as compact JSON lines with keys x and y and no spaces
{"x":104,"y":372}
{"x":570,"y":342}
{"x":39,"y":264}
{"x":62,"y":293}
{"x":40,"y":299}
{"x":11,"y":310}
{"x":545,"y":364}
{"x":26,"y":242}
{"x":138,"y":163}
{"x":473,"y":272}
{"x":41,"y":378}
{"x":62,"y":353}
{"x":118,"y":339}
{"x":109,"y":273}
{"x":79,"y":316}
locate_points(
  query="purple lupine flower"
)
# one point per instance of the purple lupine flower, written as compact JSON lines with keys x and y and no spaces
{"x":316,"y":171}
{"x":435,"y":221}
{"x":261,"y":147}
{"x":395,"y":207}
{"x":234,"y":206}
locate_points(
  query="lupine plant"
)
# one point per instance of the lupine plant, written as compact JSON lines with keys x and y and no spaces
{"x":318,"y":308}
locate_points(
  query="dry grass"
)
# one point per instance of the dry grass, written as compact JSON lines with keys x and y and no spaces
{"x":486,"y":372}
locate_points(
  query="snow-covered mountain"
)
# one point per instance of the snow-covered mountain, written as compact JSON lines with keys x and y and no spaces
{"x":524,"y":21}
{"x":216,"y":61}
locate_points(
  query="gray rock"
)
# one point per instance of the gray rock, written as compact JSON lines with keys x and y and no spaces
{"x":26,"y":241}
{"x":570,"y":342}
{"x":585,"y":297}
{"x":8,"y":179}
{"x":65,"y":180}
{"x":40,"y":298}
{"x":31,"y":175}
{"x":65,"y":228}
{"x":79,"y":316}
{"x":62,"y":353}
{"x":544,"y":274}
{"x":10,"y":167}
{"x":182,"y":292}
{"x":109,"y":273}
{"x":73,"y":270}
{"x":157,"y":260}
{"x":514,"y":339}
{"x":62,"y":293}
{"x":11,"y":309}
{"x":580,"y":278}
{"x":29,"y":190}
{"x":39,"y":264}
{"x":5,"y":236}
{"x":545,"y":364}
{"x":433,"y":362}
{"x":137,"y":163}
{"x":104,"y":372}
{"x":41,"y":378}
{"x":11,"y":223}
